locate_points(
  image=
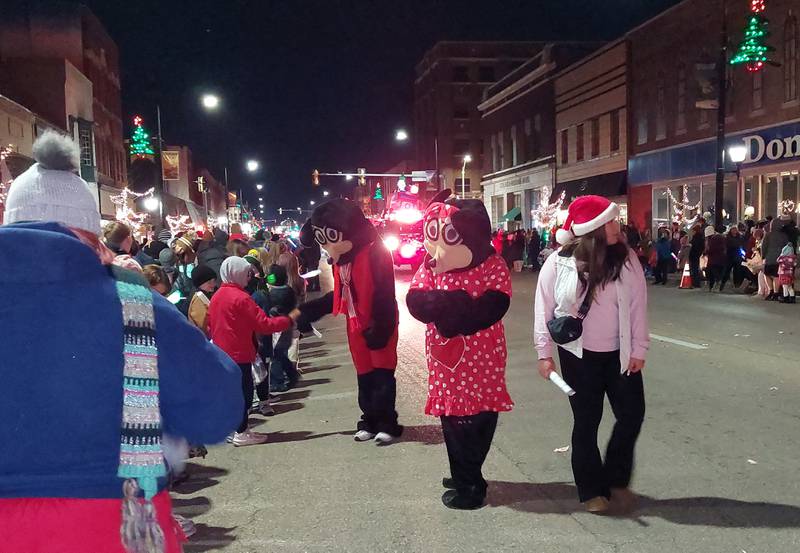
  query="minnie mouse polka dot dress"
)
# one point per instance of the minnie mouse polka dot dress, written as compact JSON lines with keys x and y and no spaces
{"x":466,"y":374}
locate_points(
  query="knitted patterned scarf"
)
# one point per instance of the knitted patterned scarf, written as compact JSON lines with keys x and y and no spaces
{"x":141,"y":459}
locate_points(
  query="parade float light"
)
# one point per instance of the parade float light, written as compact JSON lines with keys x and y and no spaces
{"x":391,"y":243}
{"x":409,"y":250}
{"x":151,"y":203}
{"x":407,"y":215}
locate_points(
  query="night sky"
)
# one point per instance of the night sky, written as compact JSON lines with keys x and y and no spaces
{"x":312,"y":84}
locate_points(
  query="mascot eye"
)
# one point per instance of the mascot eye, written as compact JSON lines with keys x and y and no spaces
{"x":432,"y":230}
{"x":332,"y":234}
{"x":450,"y":235}
{"x":319,"y":236}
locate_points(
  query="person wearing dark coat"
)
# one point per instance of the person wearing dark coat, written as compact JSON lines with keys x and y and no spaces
{"x":715,"y":251}
{"x":309,"y":257}
{"x":534,"y":248}
{"x":211,"y":251}
{"x":697,"y":247}
{"x":734,"y":248}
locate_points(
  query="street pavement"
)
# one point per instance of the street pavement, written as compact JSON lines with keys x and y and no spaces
{"x":717,"y":461}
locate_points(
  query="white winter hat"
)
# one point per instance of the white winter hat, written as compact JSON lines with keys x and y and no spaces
{"x":50,"y":190}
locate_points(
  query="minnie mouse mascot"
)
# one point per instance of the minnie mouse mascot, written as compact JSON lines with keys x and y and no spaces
{"x":461,"y":292}
{"x":363,"y":276}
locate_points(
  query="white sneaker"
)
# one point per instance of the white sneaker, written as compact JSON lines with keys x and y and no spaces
{"x":229,"y":439}
{"x":187,"y":526}
{"x":382,"y":438}
{"x":363,"y":436}
{"x":248,"y":437}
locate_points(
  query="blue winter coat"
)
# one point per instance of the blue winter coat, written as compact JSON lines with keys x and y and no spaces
{"x":61,"y":370}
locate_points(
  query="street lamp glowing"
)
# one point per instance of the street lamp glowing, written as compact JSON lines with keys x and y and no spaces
{"x":737,"y":153}
{"x":325,"y":193}
{"x":348,"y":177}
{"x":401,"y":135}
{"x":261,"y":199}
{"x":210,"y":101}
{"x":259,"y":187}
{"x":261,"y":206}
{"x":252,"y":165}
{"x":312,"y":202}
{"x":467,"y":159}
{"x":151,"y":204}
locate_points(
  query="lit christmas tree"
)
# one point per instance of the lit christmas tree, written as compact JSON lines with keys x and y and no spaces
{"x":378,"y":193}
{"x":140,"y":140}
{"x":753,"y":50}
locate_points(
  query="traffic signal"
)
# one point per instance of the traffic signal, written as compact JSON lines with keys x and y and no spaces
{"x":315,"y":177}
{"x":362,"y":179}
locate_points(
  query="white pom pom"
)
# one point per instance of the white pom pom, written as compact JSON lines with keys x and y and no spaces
{"x":56,"y":151}
{"x":564,"y":236}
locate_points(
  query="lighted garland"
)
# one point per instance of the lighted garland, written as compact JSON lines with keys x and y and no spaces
{"x":786,"y":207}
{"x":179,"y":223}
{"x":681,"y":207}
{"x":124,"y":213}
{"x":545,"y":215}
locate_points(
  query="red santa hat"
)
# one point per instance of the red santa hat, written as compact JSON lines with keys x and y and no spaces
{"x":586,"y":214}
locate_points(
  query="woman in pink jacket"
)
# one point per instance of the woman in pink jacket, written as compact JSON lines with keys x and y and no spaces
{"x":596,"y":267}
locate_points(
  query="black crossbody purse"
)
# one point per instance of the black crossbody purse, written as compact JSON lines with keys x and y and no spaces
{"x":567,"y":329}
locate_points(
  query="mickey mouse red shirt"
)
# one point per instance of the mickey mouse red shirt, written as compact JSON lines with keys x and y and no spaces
{"x":466,"y":374}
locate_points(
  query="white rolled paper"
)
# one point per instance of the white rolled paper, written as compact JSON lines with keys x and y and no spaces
{"x":556,"y":379}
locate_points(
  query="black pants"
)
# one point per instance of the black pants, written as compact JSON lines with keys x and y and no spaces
{"x":694,"y":270}
{"x":733,"y":267}
{"x":660,"y":272}
{"x":247,"y":392}
{"x":265,"y":352}
{"x":468,"y":440}
{"x":377,"y":391}
{"x":593,"y":377}
{"x":715,"y":274}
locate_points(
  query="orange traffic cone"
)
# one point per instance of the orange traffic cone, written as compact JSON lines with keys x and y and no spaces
{"x":686,"y":278}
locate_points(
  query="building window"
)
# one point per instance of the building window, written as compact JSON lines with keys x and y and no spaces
{"x":595,"y":137}
{"x":703,"y":118}
{"x":460,"y":147}
{"x":579,"y":143}
{"x":641,"y":134}
{"x":680,"y":124}
{"x":486,"y":74}
{"x":564,"y":146}
{"x":758,"y":90}
{"x":466,"y":186}
{"x":661,"y":114}
{"x":615,"y":130}
{"x":514,"y":153}
{"x":790,"y":55}
{"x":493,"y":147}
{"x":460,"y":74}
{"x":502,"y":151}
{"x":85,"y":143}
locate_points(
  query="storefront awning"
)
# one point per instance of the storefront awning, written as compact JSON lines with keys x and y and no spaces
{"x":515,"y":213}
{"x":608,"y":185}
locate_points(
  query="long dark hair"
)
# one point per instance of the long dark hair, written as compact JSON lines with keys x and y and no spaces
{"x":598,"y":262}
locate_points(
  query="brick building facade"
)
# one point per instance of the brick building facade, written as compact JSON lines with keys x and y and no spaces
{"x":450,"y":83}
{"x":673,"y":142}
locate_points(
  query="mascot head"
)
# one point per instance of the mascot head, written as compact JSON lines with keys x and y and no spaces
{"x":340,"y":228}
{"x":458,"y":234}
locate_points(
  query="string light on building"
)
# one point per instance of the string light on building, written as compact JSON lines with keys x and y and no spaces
{"x":125,"y":213}
{"x":681,"y":207}
{"x":179,"y":223}
{"x":786,"y":207}
{"x":545,"y":216}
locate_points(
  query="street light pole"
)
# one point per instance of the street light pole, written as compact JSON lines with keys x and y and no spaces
{"x":722,"y":100}
{"x":160,"y":169}
{"x":467,"y":159}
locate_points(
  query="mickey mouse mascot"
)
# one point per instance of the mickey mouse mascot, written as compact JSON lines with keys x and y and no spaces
{"x":363,"y":275}
{"x":462,"y":291}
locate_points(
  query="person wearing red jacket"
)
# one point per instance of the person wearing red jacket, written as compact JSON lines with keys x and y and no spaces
{"x":363,"y":277}
{"x":233,"y":318}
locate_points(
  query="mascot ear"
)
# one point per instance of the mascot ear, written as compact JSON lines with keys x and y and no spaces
{"x":441,"y":196}
{"x":307,"y":235}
